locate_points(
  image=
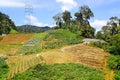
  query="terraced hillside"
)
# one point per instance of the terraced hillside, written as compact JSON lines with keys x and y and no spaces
{"x":57,"y":46}
{"x":11,"y":43}
{"x":19,"y":64}
{"x":80,"y":53}
{"x":16,"y":38}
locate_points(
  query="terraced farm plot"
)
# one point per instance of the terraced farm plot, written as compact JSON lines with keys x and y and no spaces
{"x":11,"y":43}
{"x":16,"y":38}
{"x":33,"y":45}
{"x":19,"y":64}
{"x":87,"y":55}
{"x":9,"y":49}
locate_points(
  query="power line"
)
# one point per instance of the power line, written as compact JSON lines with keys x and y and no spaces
{"x":28,"y":11}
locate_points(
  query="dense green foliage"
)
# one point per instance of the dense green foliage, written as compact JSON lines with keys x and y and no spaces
{"x":117,"y":75}
{"x":79,"y":24}
{"x":111,"y":34}
{"x":6,"y":24}
{"x":67,"y":18}
{"x":60,"y":72}
{"x":114,"y":62}
{"x":3,"y":69}
{"x":115,"y":42}
{"x":100,"y":45}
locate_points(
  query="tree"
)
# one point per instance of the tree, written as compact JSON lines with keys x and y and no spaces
{"x":67,"y":18}
{"x":58,"y":19}
{"x":87,"y":31}
{"x":86,"y":13}
{"x":115,"y":41}
{"x":83,"y":15}
{"x":6,"y":24}
{"x":79,"y":19}
{"x":113,"y":24}
{"x":99,"y":35}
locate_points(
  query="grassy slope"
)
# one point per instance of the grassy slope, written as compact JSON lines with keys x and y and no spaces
{"x":61,"y":72}
{"x":60,"y":37}
{"x":13,"y":31}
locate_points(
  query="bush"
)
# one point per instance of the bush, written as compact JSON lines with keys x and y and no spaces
{"x":117,"y":75}
{"x":112,"y":49}
{"x":3,"y":69}
{"x":100,"y":45}
{"x":115,"y":41}
{"x":114,"y":62}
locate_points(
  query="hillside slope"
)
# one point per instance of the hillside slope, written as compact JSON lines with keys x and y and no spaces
{"x":80,"y":53}
{"x":16,"y":38}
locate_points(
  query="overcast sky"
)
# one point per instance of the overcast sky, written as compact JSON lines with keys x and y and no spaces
{"x":44,"y":10}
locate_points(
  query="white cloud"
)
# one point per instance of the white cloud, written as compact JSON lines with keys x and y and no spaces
{"x":34,"y":21}
{"x":97,"y":2}
{"x":67,"y":4}
{"x":11,"y":3}
{"x":18,"y":3}
{"x":98,"y":24}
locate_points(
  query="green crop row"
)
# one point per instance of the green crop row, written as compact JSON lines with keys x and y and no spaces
{"x":33,"y":45}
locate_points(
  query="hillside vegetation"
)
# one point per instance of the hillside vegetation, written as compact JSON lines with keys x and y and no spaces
{"x":61,"y":72}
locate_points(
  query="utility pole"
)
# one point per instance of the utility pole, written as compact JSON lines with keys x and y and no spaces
{"x":28,"y":13}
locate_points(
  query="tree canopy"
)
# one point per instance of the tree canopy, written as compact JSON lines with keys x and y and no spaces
{"x":6,"y":24}
{"x":78,"y":25}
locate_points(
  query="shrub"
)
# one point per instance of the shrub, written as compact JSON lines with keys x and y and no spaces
{"x":3,"y":69}
{"x":115,"y":41}
{"x":100,"y":45}
{"x":114,"y":62}
{"x":117,"y":75}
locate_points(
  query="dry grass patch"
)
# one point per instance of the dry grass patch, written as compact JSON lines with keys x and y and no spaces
{"x":16,"y":38}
